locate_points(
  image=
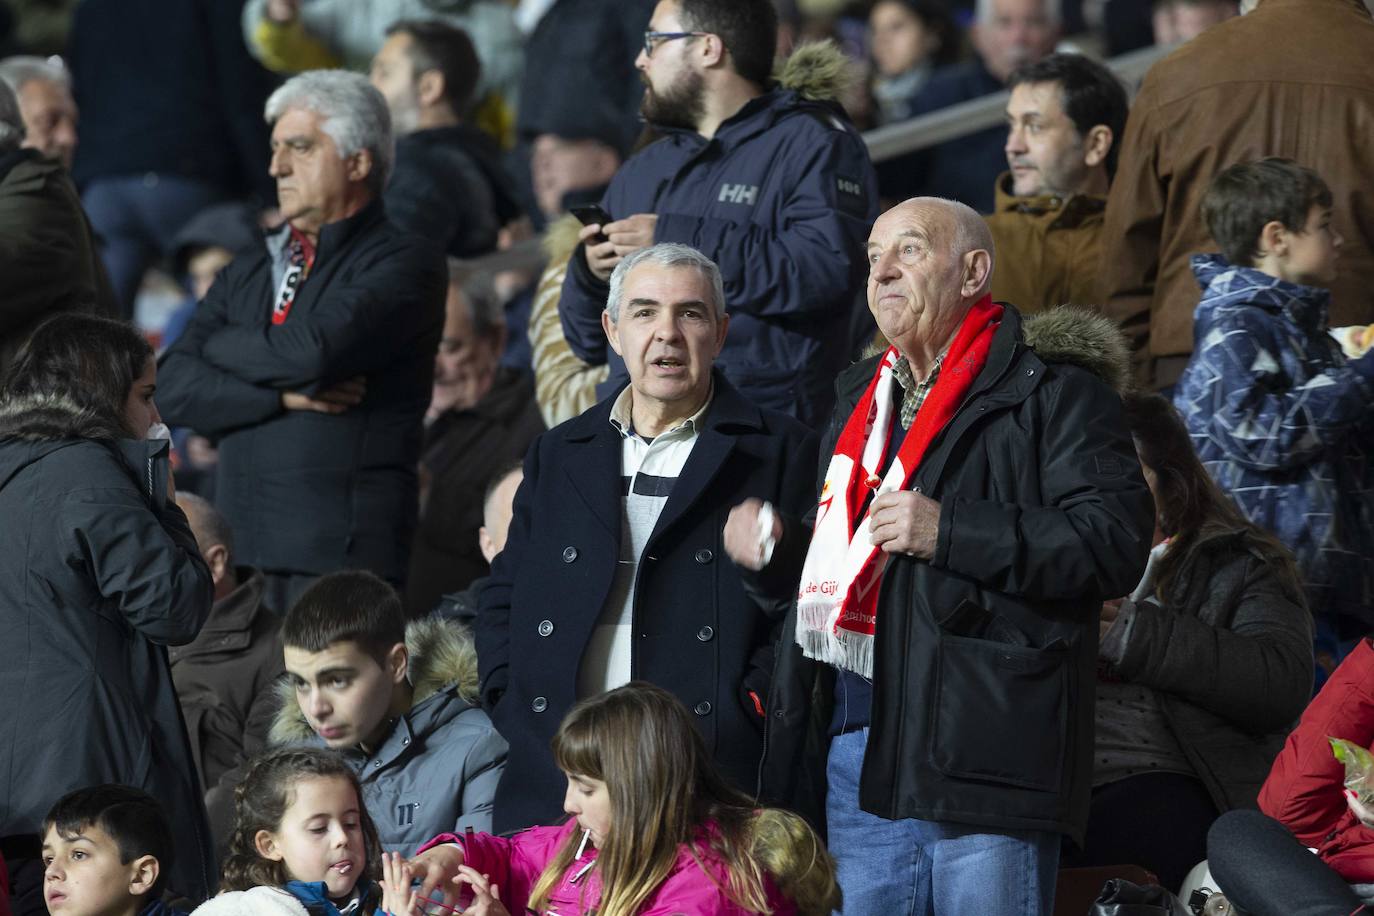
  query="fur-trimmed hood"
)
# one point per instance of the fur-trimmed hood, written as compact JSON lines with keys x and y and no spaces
{"x":442,"y":656}
{"x":45,"y":418}
{"x":1079,"y":337}
{"x":1069,"y":334}
{"x":560,"y":238}
{"x":817,"y":71}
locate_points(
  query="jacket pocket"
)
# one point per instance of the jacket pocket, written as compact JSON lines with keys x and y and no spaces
{"x":1000,"y":712}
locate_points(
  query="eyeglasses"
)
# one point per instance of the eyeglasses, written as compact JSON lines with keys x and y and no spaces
{"x":653,"y":38}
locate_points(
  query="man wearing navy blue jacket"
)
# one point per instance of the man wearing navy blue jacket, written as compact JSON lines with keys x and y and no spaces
{"x":768,"y":180}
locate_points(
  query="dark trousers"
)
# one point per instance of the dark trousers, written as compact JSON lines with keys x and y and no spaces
{"x":281,"y":589}
{"x":1265,"y":871}
{"x":1158,"y":821}
{"x":23,"y":860}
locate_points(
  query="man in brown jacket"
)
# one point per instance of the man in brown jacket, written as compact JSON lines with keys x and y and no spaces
{"x":226,"y":677}
{"x":1064,"y":118}
{"x":1292,"y":78}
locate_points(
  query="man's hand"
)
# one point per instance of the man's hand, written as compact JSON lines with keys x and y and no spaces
{"x":1361,"y":812}
{"x":621,"y":238}
{"x":741,"y":534}
{"x":438,"y":869}
{"x":335,"y":399}
{"x":283,"y":11}
{"x":904,"y":522}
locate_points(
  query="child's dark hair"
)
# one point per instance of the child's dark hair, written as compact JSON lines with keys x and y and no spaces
{"x":1244,"y":197}
{"x":131,"y":817}
{"x":349,"y":605}
{"x":260,"y":803}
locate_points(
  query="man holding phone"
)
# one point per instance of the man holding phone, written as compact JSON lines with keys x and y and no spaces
{"x":774,"y":186}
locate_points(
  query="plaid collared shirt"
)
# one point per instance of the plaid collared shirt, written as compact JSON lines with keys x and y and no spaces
{"x":914,"y":392}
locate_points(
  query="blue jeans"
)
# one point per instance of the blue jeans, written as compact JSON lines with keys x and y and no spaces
{"x":912,"y":867}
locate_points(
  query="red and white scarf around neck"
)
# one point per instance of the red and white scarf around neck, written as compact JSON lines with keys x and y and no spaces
{"x":837,"y":601}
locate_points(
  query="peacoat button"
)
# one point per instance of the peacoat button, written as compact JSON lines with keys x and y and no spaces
{"x":703,"y":708}
{"x":546,"y":628}
{"x":704,"y":555}
{"x":540,"y":704}
{"x":705,"y":634}
{"x":569,"y":554}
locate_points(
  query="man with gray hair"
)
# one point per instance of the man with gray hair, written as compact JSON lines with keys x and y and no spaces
{"x":44,"y":89}
{"x":981,"y":498}
{"x":614,"y":566}
{"x":311,"y":361}
{"x":48,"y":257}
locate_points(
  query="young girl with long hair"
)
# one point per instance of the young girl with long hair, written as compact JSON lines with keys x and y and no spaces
{"x":303,"y":844}
{"x":653,"y":829}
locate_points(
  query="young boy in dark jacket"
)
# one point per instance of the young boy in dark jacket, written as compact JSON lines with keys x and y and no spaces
{"x":1279,"y":417}
{"x":106,"y":851}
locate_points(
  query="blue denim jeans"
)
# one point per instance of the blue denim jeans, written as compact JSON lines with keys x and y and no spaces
{"x":912,"y":867}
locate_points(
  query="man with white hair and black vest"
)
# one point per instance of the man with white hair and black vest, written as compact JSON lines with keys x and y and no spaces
{"x":311,"y":361}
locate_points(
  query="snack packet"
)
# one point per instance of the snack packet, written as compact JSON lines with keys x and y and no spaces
{"x":1359,"y":764}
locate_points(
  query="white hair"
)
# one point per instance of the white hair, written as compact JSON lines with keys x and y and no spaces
{"x":985,"y":11}
{"x":353,"y":114}
{"x":11,"y":123}
{"x":25,"y":68}
{"x":666,"y":254}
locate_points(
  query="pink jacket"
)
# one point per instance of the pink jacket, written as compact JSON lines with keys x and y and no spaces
{"x":515,"y":864}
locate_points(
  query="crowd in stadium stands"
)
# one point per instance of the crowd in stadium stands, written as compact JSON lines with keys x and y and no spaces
{"x":530,"y":456}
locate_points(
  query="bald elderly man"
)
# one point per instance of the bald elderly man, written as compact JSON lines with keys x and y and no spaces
{"x":979,"y":500}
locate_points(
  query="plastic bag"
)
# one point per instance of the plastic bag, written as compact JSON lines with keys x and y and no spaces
{"x":1359,"y":764}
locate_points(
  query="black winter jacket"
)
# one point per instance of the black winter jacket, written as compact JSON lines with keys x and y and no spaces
{"x":1228,"y":654}
{"x":309,"y":492}
{"x":1044,"y":512}
{"x":696,"y":631}
{"x":99,"y":573}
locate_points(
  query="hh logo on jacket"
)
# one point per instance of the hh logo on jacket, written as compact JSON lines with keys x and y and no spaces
{"x":738,"y":194}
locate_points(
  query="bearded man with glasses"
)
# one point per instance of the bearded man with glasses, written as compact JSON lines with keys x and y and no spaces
{"x":767,"y":178}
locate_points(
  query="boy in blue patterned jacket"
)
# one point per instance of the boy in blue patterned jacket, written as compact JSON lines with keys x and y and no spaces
{"x":1282,"y":421}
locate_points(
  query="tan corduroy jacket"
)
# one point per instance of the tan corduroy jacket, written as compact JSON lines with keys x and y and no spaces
{"x":1293,"y":78}
{"x":1046,"y":248}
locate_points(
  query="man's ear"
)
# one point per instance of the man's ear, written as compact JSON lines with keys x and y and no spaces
{"x":359,"y":165}
{"x":265,"y":842}
{"x":397,"y":663}
{"x":712,"y":50}
{"x":1097,"y":143}
{"x":486,"y":544}
{"x":217,"y":558}
{"x":724,"y":322}
{"x":612,"y":332}
{"x":429,"y":88}
{"x":143,"y":873}
{"x":977,"y":267}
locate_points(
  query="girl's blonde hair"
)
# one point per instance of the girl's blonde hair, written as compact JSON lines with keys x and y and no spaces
{"x":260,"y":803}
{"x":663,"y":786}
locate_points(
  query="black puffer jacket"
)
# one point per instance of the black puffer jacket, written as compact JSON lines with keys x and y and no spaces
{"x":99,"y":573}
{"x":309,"y":492}
{"x":1043,"y":514}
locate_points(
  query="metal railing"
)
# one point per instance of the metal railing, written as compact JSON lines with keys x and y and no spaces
{"x":976,"y":114}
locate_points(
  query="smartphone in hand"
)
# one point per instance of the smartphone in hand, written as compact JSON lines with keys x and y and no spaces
{"x":593,"y":215}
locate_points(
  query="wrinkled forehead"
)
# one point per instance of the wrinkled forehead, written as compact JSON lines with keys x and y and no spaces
{"x":928,"y":222}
